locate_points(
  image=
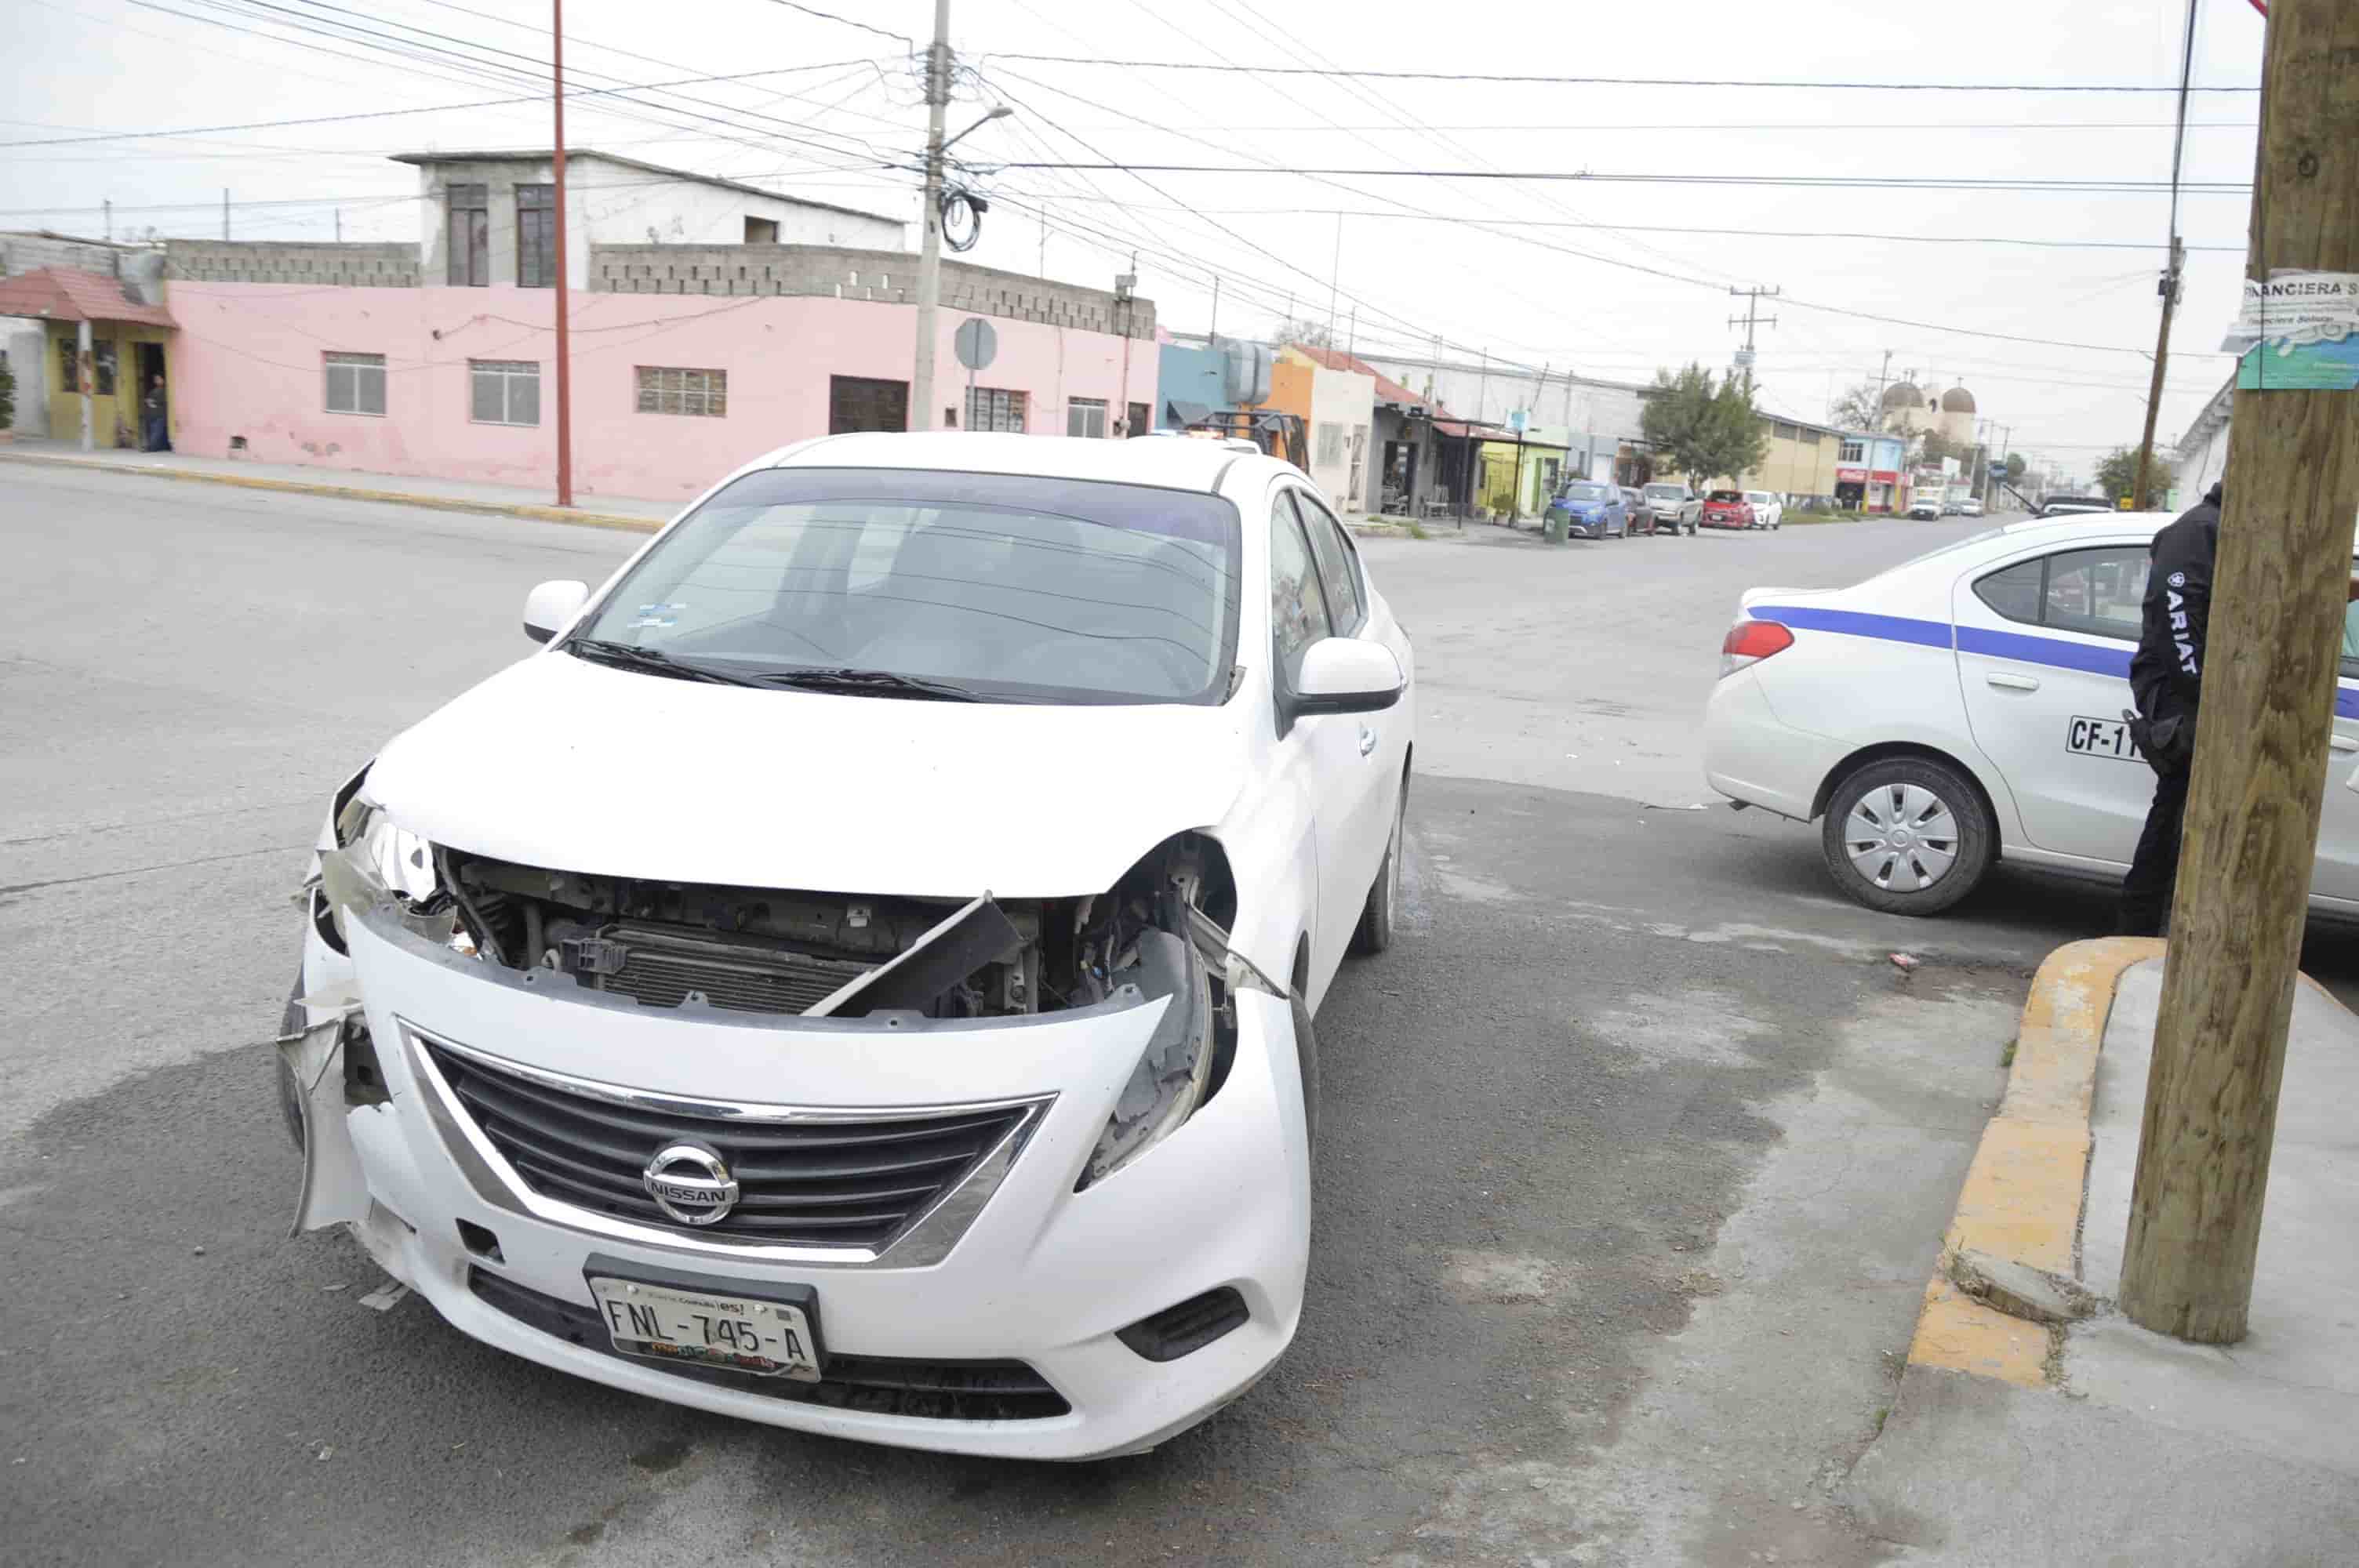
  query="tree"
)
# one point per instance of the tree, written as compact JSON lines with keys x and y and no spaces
{"x":2117,"y":475}
{"x":1310,"y":334}
{"x":8,"y":394}
{"x":1859,"y":408}
{"x":2015,"y":466}
{"x":1703,"y":430}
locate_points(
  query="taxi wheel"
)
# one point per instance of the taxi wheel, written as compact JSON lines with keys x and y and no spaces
{"x":1908,"y":835}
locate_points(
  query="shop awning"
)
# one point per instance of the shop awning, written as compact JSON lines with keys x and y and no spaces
{"x":1183,"y":415}
{"x":69,"y":293}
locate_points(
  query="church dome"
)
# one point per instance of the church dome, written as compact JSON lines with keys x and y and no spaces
{"x":1957,"y":400}
{"x":1902,"y":394}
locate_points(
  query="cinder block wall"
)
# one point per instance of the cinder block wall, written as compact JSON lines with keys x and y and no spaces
{"x":356,"y":265}
{"x":889,"y":276}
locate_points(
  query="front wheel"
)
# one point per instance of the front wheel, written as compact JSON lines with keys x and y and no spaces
{"x":1908,"y":835}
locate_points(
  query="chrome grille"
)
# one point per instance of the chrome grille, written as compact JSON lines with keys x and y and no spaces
{"x":838,"y":1184}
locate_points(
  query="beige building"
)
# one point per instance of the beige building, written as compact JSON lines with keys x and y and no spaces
{"x":1799,"y":462}
{"x":1909,"y":408}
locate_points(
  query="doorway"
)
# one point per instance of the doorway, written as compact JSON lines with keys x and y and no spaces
{"x":857,"y":403}
{"x":148,"y":361}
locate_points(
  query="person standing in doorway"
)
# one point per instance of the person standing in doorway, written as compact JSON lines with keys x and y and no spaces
{"x":157,"y":426}
{"x":2167,"y":682}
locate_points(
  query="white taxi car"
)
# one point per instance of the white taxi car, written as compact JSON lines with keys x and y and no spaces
{"x":858,"y":975}
{"x":1967,"y":708}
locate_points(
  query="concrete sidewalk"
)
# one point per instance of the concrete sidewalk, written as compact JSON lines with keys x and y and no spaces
{"x":449,"y":494}
{"x":2131,"y":1447}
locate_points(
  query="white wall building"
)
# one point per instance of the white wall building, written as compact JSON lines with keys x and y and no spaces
{"x":498,"y":206}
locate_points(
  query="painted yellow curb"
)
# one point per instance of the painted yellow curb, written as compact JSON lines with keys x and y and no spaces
{"x":350,"y":493}
{"x":2022,"y":1194}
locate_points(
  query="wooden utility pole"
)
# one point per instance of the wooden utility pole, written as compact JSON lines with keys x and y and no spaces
{"x":2269,"y":700}
{"x":2169,"y":289}
{"x":563,"y":282}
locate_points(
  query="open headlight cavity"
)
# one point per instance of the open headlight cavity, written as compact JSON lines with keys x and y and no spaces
{"x":1174,"y":1074}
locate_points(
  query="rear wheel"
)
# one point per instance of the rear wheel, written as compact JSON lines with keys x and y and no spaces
{"x":1908,"y":835}
{"x":1374,"y":931}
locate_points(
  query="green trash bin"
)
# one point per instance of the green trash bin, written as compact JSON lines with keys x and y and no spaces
{"x":1555,"y":529}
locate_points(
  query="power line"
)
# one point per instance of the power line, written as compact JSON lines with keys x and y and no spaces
{"x":1412,"y":215}
{"x":1585,"y":177}
{"x":1603,"y":80}
{"x":902,"y":39}
{"x":434,"y":109}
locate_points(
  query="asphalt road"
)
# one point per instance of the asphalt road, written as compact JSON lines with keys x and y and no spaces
{"x":1636,"y":1149}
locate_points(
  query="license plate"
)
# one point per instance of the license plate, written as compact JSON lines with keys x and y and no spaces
{"x":2102,"y":738}
{"x":764,"y":1337}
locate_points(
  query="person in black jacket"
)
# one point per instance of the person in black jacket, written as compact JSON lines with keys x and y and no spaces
{"x":2167,"y":681}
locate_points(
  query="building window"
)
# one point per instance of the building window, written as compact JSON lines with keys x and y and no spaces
{"x":861,"y":402}
{"x":761,"y":231}
{"x":1853,"y":452}
{"x":993,"y":408}
{"x":665,"y":390}
{"x":470,"y":236}
{"x":1811,"y":438}
{"x":1085,"y":417}
{"x":537,"y":236}
{"x":506,"y":392}
{"x":68,"y":366}
{"x":1331,"y":445}
{"x":355,"y":383}
{"x":1783,"y":431}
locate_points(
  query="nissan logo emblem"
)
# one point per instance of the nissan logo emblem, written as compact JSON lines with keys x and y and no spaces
{"x":690,"y":1183}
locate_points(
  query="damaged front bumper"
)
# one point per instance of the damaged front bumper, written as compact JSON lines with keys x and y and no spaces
{"x":1024,"y":1309}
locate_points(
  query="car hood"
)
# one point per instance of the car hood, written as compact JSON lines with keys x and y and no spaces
{"x":558,"y":763}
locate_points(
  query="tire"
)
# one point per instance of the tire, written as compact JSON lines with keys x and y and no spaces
{"x":1907,"y":820}
{"x":1382,"y":910}
{"x":1305,"y":1054}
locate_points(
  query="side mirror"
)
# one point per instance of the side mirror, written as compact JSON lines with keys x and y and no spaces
{"x":1345,"y":675}
{"x":551,"y":607}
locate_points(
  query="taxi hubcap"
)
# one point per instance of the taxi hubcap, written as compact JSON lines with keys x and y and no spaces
{"x":1902,"y":838}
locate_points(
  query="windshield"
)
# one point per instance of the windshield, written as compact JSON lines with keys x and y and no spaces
{"x":1725,"y":495}
{"x":1588,"y":492}
{"x":1012,"y":587}
{"x":1665,"y":492}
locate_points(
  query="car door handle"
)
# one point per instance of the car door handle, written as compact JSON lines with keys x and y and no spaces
{"x":2013,"y":683}
{"x":1367,"y":739}
{"x":2343,"y":743}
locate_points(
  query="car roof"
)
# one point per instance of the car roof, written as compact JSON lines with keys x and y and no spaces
{"x":1171,"y":465}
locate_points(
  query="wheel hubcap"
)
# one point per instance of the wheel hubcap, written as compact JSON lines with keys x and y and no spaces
{"x":1902,"y":837}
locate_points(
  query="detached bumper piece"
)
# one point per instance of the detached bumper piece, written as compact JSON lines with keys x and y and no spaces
{"x":1180,"y":1330}
{"x":821,"y":1183}
{"x":929,"y":1390}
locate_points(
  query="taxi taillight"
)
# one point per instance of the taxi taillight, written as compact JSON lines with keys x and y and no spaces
{"x":1750,"y":642}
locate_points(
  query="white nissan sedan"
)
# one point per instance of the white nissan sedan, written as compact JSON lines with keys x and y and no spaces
{"x":1967,"y":708}
{"x":858,"y":975}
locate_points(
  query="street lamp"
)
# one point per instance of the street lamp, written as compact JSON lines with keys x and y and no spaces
{"x":1001,"y":113}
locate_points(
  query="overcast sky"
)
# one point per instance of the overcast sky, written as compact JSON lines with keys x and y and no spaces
{"x":1533,"y":272}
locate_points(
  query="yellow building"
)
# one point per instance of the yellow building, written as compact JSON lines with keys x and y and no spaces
{"x":128,"y":348}
{"x":1799,"y":460}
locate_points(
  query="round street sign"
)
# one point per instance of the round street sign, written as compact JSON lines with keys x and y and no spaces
{"x":977,"y":343}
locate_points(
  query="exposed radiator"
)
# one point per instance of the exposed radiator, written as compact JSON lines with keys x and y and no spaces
{"x":659,"y":965}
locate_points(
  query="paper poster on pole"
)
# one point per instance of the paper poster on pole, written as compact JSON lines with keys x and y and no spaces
{"x":2298,"y":332}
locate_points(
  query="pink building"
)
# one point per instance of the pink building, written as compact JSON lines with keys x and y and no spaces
{"x":687,"y":359}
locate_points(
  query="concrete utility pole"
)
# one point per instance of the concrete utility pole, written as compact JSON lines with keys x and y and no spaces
{"x":2268,"y":698}
{"x":2170,"y":289}
{"x":83,"y":375}
{"x":225,"y":212}
{"x":922,"y":413}
{"x":109,"y":230}
{"x":1881,"y":377}
{"x":564,"y":283}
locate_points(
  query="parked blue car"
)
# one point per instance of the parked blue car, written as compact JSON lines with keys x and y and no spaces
{"x":1593,"y":509}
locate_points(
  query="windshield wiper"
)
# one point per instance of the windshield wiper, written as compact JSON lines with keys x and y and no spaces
{"x":872,"y":683}
{"x":649,"y":661}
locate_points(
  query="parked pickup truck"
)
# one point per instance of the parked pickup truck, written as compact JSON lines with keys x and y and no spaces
{"x":1670,"y":506}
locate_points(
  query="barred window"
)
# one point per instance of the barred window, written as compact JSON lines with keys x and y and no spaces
{"x":536,"y":236}
{"x":355,"y":382}
{"x":993,"y":408}
{"x":506,"y":392}
{"x":1085,"y":417}
{"x":1331,"y":445}
{"x":664,"y":389}
{"x":469,"y":240}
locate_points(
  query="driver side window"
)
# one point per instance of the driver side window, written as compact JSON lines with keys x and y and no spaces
{"x":1297,"y":607}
